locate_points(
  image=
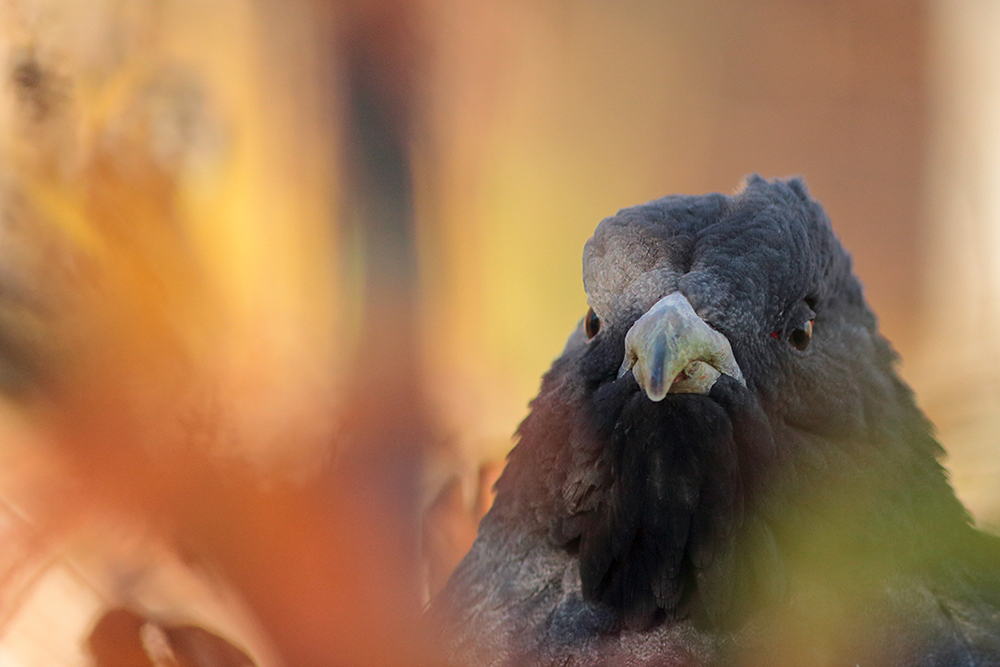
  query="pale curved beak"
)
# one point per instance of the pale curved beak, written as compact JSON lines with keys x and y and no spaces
{"x":672,"y":350}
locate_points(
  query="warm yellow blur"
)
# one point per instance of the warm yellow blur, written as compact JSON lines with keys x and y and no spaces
{"x":165,"y":186}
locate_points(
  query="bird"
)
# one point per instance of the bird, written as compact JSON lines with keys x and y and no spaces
{"x":723,"y":467}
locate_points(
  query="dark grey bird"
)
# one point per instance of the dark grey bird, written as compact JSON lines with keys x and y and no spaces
{"x":723,"y":468}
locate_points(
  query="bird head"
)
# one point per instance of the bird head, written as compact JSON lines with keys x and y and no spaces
{"x":755,"y":287}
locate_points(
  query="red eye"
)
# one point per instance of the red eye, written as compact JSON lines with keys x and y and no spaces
{"x":800,"y":337}
{"x":591,"y":323}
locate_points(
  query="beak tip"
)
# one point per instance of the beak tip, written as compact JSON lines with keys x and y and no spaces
{"x":656,"y":395}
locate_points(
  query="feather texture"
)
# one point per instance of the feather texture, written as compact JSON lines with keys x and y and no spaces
{"x":800,"y":518}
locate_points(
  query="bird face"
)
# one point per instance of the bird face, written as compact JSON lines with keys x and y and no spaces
{"x":755,"y":287}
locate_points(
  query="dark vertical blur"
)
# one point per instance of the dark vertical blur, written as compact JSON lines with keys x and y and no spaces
{"x":386,"y":428}
{"x":385,"y":420}
{"x":365,"y":598}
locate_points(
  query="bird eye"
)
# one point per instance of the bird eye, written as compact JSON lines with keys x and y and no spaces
{"x":591,"y":323}
{"x":800,"y":337}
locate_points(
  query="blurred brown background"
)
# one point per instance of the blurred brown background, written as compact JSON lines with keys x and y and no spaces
{"x":182,"y":164}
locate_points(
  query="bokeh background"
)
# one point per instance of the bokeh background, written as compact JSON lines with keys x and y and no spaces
{"x":194,"y":279}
